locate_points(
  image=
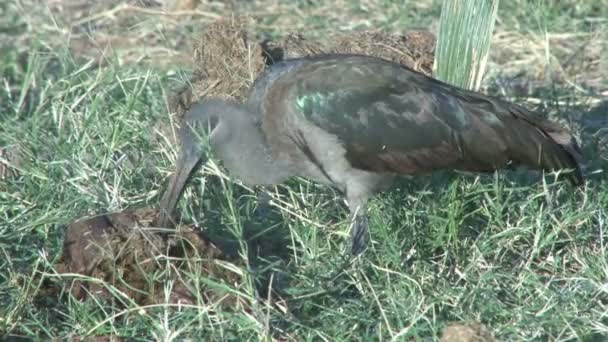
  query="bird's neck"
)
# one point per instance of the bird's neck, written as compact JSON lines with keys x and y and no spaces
{"x":246,"y":153}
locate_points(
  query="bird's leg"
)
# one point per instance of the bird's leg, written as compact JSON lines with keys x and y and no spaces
{"x":358,"y":234}
{"x":359,"y":231}
{"x":359,"y":188}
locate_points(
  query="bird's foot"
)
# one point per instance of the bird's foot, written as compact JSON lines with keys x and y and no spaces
{"x":358,"y":234}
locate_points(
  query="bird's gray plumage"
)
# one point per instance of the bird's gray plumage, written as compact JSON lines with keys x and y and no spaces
{"x":354,"y":122}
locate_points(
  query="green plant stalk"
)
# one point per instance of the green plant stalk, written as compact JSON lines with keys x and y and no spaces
{"x":463,"y":45}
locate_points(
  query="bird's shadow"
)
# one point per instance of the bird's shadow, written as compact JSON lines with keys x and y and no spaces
{"x":262,"y":240}
{"x":266,"y":236}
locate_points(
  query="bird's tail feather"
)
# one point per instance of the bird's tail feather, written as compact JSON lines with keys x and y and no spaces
{"x":555,"y":148}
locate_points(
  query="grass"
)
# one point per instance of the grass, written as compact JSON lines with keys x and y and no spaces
{"x":522,"y":254}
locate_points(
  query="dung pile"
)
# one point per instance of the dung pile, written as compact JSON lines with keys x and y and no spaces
{"x":123,"y":253}
{"x":227,"y":60}
{"x":414,"y":49}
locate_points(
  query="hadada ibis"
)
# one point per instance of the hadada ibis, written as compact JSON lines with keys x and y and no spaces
{"x":355,"y":122}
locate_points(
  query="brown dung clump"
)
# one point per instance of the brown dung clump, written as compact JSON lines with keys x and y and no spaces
{"x":413,"y":49}
{"x":121,"y":252}
{"x":227,"y":60}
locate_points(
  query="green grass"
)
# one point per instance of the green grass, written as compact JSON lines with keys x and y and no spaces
{"x":524,"y":256}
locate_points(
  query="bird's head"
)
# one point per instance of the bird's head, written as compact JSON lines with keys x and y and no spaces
{"x":202,"y":122}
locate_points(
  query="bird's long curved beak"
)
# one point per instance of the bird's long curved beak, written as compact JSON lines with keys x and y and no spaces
{"x":185,"y":166}
{"x":191,"y":155}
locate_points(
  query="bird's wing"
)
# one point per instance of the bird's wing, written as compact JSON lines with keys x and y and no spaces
{"x":392,"y":119}
{"x":387,"y":118}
